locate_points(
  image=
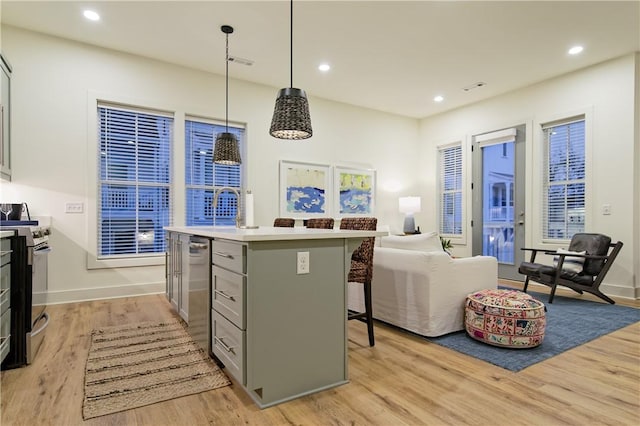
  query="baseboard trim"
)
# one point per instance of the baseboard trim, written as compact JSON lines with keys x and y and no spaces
{"x":99,"y":293}
{"x":608,"y":289}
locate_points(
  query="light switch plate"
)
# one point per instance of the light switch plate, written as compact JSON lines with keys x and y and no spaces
{"x":74,"y":208}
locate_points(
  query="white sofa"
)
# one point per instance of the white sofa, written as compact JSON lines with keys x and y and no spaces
{"x":419,"y":287}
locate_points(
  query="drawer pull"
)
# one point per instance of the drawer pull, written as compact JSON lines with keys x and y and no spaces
{"x":223,"y":254}
{"x":225,"y":295}
{"x":224,"y":345}
{"x":2,"y":253}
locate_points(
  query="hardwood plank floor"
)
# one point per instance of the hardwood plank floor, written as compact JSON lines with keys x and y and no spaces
{"x":403,"y":380}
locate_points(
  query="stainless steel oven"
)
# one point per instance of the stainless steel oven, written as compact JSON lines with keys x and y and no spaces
{"x":29,"y":277}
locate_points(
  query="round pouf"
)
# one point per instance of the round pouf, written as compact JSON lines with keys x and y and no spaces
{"x":508,"y":318}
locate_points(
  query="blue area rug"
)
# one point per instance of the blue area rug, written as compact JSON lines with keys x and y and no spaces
{"x":570,"y":323}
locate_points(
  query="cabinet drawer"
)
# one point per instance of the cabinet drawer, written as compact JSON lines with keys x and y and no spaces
{"x":5,"y":276}
{"x":227,"y":295}
{"x":4,"y":348}
{"x":5,"y":333}
{"x":228,"y":344}
{"x":5,"y":324}
{"x":5,"y":299}
{"x":5,"y":251}
{"x":228,"y":255}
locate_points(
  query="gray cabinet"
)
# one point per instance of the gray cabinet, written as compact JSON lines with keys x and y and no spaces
{"x":5,"y":293}
{"x":5,"y":119}
{"x":280,"y":334}
{"x":228,"y":301}
{"x":177,"y":272}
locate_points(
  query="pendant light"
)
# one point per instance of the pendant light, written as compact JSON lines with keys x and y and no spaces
{"x":226,"y":149}
{"x":291,"y":119}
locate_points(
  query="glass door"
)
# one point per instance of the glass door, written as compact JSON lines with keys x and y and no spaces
{"x":498,"y":198}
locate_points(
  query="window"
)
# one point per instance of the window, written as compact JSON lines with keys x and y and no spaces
{"x":450,"y":190}
{"x":135,"y":178}
{"x":564,"y":181}
{"x":203,"y":176}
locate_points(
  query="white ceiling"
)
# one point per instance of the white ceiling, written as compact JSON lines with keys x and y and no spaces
{"x":393,"y":56}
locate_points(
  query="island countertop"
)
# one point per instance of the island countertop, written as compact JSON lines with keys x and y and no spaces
{"x":270,"y":233}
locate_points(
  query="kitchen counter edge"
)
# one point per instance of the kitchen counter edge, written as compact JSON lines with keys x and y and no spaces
{"x":269,"y":233}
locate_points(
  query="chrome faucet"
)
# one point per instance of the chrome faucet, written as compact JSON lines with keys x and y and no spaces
{"x":235,"y":191}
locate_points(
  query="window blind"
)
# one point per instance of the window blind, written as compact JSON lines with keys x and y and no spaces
{"x":563,"y":200}
{"x":203,"y":177}
{"x":450,"y":189}
{"x":135,"y":178}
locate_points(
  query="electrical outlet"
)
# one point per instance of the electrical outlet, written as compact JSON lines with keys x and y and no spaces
{"x":303,"y":263}
{"x":74,"y":208}
{"x":606,"y":209}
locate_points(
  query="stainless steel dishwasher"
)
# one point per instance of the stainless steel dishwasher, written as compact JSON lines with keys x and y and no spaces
{"x":198,"y":276}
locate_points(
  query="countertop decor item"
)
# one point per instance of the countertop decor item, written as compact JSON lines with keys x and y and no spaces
{"x":291,"y":118}
{"x":226,"y":149}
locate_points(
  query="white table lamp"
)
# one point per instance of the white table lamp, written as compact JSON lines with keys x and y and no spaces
{"x":409,"y":206}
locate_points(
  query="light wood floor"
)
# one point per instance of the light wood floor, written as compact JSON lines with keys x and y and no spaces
{"x":403,"y":380}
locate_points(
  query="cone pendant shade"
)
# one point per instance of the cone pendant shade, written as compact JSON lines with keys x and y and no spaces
{"x":291,"y":118}
{"x":226,"y":150}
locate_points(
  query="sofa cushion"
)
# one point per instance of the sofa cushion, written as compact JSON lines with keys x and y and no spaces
{"x":427,"y":242}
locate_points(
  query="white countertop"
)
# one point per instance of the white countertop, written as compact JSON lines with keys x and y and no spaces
{"x":270,"y":233}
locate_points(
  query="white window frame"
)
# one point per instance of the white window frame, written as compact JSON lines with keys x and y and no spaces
{"x":461,"y":237}
{"x":539,"y":167}
{"x":242,"y":147}
{"x":94,"y":100}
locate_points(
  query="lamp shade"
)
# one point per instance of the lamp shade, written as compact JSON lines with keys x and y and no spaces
{"x":226,"y":149}
{"x":409,"y":205}
{"x":291,"y":118}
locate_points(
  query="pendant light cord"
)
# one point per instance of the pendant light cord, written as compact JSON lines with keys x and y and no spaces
{"x":291,"y":42}
{"x":226,"y":116}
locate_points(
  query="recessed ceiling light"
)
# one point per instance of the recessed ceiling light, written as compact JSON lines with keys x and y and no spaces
{"x":438,"y":98}
{"x":91,"y":15}
{"x":575,"y":50}
{"x":324,"y":67}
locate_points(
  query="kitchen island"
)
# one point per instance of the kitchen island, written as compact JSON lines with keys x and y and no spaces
{"x":277,"y":306}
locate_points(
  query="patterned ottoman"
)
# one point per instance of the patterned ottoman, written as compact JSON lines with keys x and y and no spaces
{"x":508,"y":318}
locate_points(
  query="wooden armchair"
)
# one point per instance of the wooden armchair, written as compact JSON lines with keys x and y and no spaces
{"x":599,"y":254}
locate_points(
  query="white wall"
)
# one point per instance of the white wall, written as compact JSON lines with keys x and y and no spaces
{"x":607,"y":94}
{"x":52,"y":80}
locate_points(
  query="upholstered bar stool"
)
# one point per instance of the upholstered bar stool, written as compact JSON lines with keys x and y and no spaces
{"x":361,"y":270}
{"x":284,"y":222}
{"x":322,"y":223}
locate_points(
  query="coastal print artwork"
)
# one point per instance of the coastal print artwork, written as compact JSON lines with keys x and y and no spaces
{"x":304,"y":189}
{"x":354,"y":192}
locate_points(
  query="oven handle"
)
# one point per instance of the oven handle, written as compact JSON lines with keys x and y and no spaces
{"x":43,"y":326}
{"x":42,"y":251}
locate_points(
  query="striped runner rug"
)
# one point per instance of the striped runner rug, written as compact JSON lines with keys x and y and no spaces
{"x":140,"y":364}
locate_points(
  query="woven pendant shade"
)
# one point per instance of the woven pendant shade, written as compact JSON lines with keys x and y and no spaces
{"x":226,"y":150}
{"x":291,"y":119}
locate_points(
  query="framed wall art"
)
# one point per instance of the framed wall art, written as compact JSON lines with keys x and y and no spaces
{"x":305,"y":189}
{"x":354,"y":191}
